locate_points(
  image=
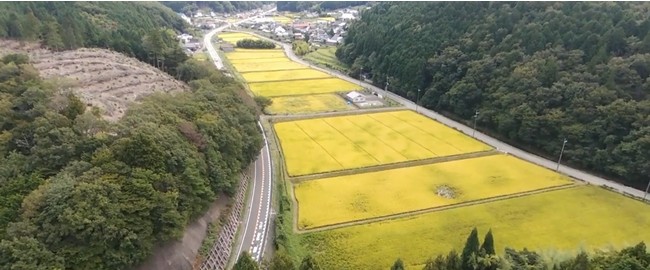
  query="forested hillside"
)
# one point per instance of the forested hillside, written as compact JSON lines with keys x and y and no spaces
{"x":536,"y":72}
{"x":77,"y":192}
{"x":133,"y":28}
{"x":216,"y":6}
{"x":316,"y":5}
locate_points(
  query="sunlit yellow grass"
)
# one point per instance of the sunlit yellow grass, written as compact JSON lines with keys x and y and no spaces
{"x":317,"y":86}
{"x":282,"y":19}
{"x":566,"y":220}
{"x":268,"y":76}
{"x":267,"y":66}
{"x":308,"y":104}
{"x":234,"y":37}
{"x":261,"y":60}
{"x":255,"y":55}
{"x":370,"y":139}
{"x":375,"y":194}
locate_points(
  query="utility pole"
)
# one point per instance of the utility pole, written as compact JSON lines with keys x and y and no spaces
{"x":561,"y":152}
{"x":475,"y":117}
{"x":417,"y":100}
{"x":386,"y":88}
{"x":646,"y":191}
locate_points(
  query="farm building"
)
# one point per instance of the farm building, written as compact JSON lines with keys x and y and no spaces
{"x":355,"y":97}
{"x":227,"y":47}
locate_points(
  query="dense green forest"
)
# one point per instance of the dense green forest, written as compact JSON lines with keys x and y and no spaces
{"x":536,"y":72}
{"x":144,"y":30}
{"x":77,"y":192}
{"x":189,"y":7}
{"x":316,"y":5}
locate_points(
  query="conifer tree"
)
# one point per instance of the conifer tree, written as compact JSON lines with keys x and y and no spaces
{"x":470,"y":250}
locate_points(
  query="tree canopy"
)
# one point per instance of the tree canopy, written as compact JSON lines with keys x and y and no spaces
{"x":144,"y":30}
{"x":537,"y":73}
{"x":77,"y":192}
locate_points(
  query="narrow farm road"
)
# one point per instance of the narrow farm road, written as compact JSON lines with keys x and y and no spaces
{"x":256,"y":216}
{"x":499,"y":145}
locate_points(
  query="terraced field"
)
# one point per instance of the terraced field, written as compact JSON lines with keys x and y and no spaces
{"x":554,"y":222}
{"x":302,"y":87}
{"x":234,"y":37}
{"x":261,"y":54}
{"x":284,"y":75}
{"x":348,"y":142}
{"x":251,"y":66}
{"x":308,"y":104}
{"x":376,"y":194}
{"x":326,"y":57}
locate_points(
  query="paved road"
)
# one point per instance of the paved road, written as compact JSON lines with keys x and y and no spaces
{"x":207,"y":39}
{"x":499,"y":145}
{"x":256,"y":216}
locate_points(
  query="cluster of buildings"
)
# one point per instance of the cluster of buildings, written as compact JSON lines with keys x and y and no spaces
{"x":310,"y":27}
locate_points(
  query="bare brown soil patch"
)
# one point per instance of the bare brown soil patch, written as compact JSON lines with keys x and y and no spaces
{"x":101,"y":78}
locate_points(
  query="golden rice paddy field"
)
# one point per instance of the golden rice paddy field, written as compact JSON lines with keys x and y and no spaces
{"x":267,"y":66}
{"x":261,"y":60}
{"x":284,"y":75}
{"x":259,"y":54}
{"x":234,"y":37}
{"x":302,"y":87}
{"x":282,"y":19}
{"x":368,"y":195}
{"x":355,"y":141}
{"x":308,"y":104}
{"x":566,"y":220}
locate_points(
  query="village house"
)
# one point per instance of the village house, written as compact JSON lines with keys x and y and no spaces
{"x":355,"y":97}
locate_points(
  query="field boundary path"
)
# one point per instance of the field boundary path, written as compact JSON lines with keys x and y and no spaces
{"x":499,"y":145}
{"x":428,"y":210}
{"x":391,"y":166}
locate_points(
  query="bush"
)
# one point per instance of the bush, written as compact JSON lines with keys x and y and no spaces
{"x":255,"y":44}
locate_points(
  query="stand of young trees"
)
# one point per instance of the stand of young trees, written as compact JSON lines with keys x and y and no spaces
{"x":477,"y":256}
{"x":536,"y":73}
{"x":77,"y":192}
{"x":144,"y":30}
{"x":248,"y":43}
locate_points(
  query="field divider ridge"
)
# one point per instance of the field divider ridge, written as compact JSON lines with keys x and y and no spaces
{"x":390,"y":166}
{"x":436,"y":208}
{"x":288,"y":118}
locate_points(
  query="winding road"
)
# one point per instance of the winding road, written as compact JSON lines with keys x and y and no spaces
{"x":256,"y":216}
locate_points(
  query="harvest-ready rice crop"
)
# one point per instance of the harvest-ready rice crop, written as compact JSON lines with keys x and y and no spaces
{"x":376,"y":194}
{"x":234,"y":37}
{"x":568,"y":220}
{"x":260,"y":60}
{"x":308,"y":104}
{"x":268,"y":76}
{"x":302,"y":87}
{"x":255,"y":55}
{"x":267,"y":66}
{"x":354,"y":141}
